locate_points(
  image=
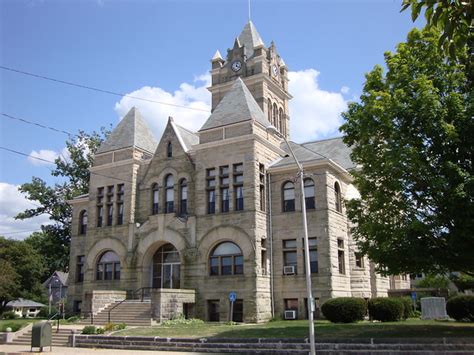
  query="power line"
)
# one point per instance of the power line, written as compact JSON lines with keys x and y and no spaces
{"x":99,"y":90}
{"x":21,"y":231}
{"x":37,"y":124}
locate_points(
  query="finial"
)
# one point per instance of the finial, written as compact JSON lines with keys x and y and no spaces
{"x":170,"y":118}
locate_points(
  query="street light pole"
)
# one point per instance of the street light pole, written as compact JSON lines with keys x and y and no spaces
{"x":309,"y":292}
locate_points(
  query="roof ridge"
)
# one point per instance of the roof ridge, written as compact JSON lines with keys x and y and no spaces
{"x":322,"y":140}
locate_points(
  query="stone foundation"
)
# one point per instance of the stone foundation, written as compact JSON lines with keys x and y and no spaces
{"x":97,"y":300}
{"x":168,"y":303}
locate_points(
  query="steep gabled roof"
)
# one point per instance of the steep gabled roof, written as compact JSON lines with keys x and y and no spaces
{"x":250,"y":38}
{"x":61,"y":276}
{"x":185,"y":136}
{"x":237,"y":105}
{"x":132,"y":131}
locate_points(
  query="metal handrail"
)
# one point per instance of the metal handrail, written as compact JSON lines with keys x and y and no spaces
{"x":91,"y":314}
{"x":52,"y":317}
{"x":132,"y":297}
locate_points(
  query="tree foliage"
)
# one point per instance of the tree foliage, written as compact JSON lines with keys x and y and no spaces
{"x":9,"y":283}
{"x":53,"y":240}
{"x":412,"y":134}
{"x":433,"y":281}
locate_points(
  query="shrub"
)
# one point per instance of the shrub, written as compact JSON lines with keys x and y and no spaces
{"x":73,"y":319}
{"x":100,"y":331}
{"x":89,"y":329}
{"x":386,"y":309}
{"x":10,"y":315}
{"x":109,"y":327}
{"x":461,"y":308}
{"x":408,"y":311}
{"x":120,"y":326}
{"x":344,"y":309}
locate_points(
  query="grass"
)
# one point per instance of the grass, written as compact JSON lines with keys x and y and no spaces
{"x":15,"y":324}
{"x":412,"y":328}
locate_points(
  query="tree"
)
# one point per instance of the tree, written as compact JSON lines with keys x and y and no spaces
{"x":28,"y":268}
{"x":453,"y":17}
{"x":53,"y":241}
{"x":412,"y":134}
{"x":433,"y":281}
{"x":9,"y":284}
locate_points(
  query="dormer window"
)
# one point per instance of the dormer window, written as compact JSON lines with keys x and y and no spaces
{"x":169,"y":150}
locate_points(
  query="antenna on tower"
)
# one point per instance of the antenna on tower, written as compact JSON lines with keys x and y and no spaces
{"x":249,"y":9}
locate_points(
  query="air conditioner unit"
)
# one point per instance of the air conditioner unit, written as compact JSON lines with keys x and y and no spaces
{"x":289,"y":270}
{"x":290,"y":314}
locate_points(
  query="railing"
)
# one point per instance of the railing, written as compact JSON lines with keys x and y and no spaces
{"x":89,"y":313}
{"x":52,"y":318}
{"x":139,"y":294}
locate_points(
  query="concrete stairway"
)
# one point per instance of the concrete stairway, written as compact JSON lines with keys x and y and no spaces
{"x":130,"y":312}
{"x":59,"y":339}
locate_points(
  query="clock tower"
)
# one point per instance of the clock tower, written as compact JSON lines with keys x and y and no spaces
{"x":263,"y":71}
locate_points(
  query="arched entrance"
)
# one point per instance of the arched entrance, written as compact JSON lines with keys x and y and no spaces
{"x":166,"y":267}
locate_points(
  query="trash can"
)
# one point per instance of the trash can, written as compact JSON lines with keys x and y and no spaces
{"x":41,"y":335}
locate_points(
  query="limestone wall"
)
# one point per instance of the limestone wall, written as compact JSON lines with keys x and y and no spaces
{"x":168,"y":303}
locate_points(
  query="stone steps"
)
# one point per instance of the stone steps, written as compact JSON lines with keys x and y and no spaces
{"x":58,"y":339}
{"x":132,"y":313}
{"x":275,"y":346}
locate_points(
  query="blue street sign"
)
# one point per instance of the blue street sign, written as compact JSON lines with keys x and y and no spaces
{"x":232,"y":296}
{"x":413,"y":296}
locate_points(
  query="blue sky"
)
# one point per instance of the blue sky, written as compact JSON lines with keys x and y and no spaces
{"x":160,"y":50}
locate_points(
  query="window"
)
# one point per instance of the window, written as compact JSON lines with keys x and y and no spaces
{"x":225,"y":199}
{"x":226,"y":259}
{"x":211,"y":190}
{"x":213,"y":310}
{"x":108,"y":267}
{"x":120,"y":193}
{"x":288,"y":193}
{"x":183,"y":197}
{"x":100,"y":206}
{"x":77,"y":306}
{"x":289,"y":253}
{"x":224,"y":184}
{"x":155,"y":197}
{"x":166,"y":267}
{"x":337,"y":197}
{"x":110,"y":205}
{"x":261,"y":169}
{"x":224,"y":175}
{"x":169,"y":150}
{"x":280,"y":120}
{"x":238,"y":311}
{"x":309,"y":194}
{"x":269,"y":109}
{"x":83,"y":222}
{"x":169,"y":194}
{"x":238,"y":174}
{"x":359,"y":260}
{"x":291,"y":304}
{"x":263,"y":257}
{"x":313,"y":255}
{"x":80,"y":268}
{"x":317,"y":308}
{"x":275,"y":116}
{"x":340,"y":256}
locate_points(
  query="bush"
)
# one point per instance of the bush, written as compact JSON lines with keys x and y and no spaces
{"x":386,"y":309}
{"x":344,"y":309}
{"x":73,"y":319}
{"x":461,"y":308}
{"x":408,"y":311}
{"x":120,"y":326}
{"x":89,"y":329}
{"x":10,"y":315}
{"x":100,"y":331}
{"x":109,"y":327}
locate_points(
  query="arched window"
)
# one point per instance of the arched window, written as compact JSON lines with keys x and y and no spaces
{"x":226,"y":259}
{"x":83,"y":222}
{"x":337,"y":197}
{"x":280,"y":121}
{"x":155,"y":198}
{"x":166,"y":267}
{"x":288,"y":193}
{"x":169,"y":194}
{"x":270,"y":111}
{"x":309,"y":194}
{"x":183,"y":197}
{"x":169,"y":150}
{"x":275,"y":116}
{"x":108,"y":266}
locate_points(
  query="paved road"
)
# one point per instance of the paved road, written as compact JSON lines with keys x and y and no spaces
{"x":22,"y":349}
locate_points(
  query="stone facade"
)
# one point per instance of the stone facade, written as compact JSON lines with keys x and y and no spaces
{"x":205,"y":211}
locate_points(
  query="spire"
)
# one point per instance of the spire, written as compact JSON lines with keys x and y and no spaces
{"x":217,"y":57}
{"x":132,"y":131}
{"x":237,"y":105}
{"x":250,"y":38}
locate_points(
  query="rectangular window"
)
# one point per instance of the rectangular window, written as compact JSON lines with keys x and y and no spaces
{"x":110,"y":207}
{"x":262,"y":187}
{"x":110,"y":214}
{"x":120,"y":213}
{"x":238,"y":176}
{"x":290,"y":254}
{"x":100,"y":206}
{"x":225,"y":199}
{"x":313,"y":255}
{"x":100,"y":215}
{"x":239,"y":198}
{"x":100,"y":271}
{"x":238,"y":311}
{"x":224,"y":175}
{"x":263,"y":257}
{"x":80,"y":268}
{"x":77,"y":306}
{"x":120,"y":192}
{"x":340,"y":256}
{"x":213,"y":310}
{"x":214,"y":266}
{"x":291,"y":304}
{"x":211,"y":201}
{"x":359,"y":260}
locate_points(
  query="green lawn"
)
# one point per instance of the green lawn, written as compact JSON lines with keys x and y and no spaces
{"x":299,"y":329}
{"x":15,"y":324}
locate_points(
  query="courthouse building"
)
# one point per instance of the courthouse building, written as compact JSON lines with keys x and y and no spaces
{"x":186,"y":218}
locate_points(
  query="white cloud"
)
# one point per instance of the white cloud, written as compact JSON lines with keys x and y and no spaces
{"x":345,"y":89}
{"x":12,"y":202}
{"x":314,"y":113}
{"x":193,"y":95}
{"x":42,"y":157}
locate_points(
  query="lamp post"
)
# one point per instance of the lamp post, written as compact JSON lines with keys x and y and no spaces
{"x":309,"y":291}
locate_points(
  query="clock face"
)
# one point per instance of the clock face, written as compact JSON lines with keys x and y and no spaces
{"x":275,"y":70}
{"x":237,"y":65}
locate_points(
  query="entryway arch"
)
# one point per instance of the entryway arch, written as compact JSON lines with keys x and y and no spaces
{"x":166,"y":267}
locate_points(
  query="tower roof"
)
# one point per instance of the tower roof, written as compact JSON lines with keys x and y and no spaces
{"x":250,"y":38}
{"x":237,"y":105}
{"x":132,"y":131}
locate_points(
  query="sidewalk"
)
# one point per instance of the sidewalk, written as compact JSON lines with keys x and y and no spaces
{"x":22,"y":349}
